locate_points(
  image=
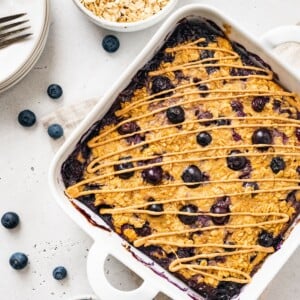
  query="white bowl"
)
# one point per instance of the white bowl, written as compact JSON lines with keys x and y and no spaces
{"x":127,"y":26}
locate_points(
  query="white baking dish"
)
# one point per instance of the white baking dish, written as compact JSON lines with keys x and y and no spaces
{"x":155,"y":278}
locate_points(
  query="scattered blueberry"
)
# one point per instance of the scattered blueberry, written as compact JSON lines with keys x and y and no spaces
{"x":125,"y":166}
{"x":55,"y":131}
{"x":262,"y":136}
{"x":161,"y":83}
{"x":128,"y":127}
{"x":18,"y":261}
{"x":110,"y":43}
{"x":186,"y":219}
{"x":153,"y":175}
{"x":54,"y":91}
{"x":277,"y":164}
{"x":175,"y":114}
{"x":192,"y":174}
{"x":10,"y":220}
{"x":155,"y":207}
{"x":258,"y":103}
{"x":59,"y":273}
{"x":204,"y":139}
{"x":221,"y":207}
{"x":265,"y":239}
{"x":234,"y":162}
{"x":26,"y":118}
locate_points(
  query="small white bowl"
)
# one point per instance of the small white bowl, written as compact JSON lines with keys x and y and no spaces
{"x":127,"y":26}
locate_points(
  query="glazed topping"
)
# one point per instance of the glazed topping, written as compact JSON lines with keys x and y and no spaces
{"x":215,"y":202}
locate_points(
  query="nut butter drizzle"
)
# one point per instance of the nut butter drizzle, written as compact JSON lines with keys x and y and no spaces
{"x":189,"y":263}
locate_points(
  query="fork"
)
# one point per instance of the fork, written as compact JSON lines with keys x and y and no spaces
{"x":12,"y":32}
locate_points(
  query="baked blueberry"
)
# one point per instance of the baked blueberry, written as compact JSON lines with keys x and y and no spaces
{"x":110,"y":43}
{"x":221,"y":207}
{"x":55,"y":131}
{"x":26,"y":118}
{"x":153,"y":175}
{"x":175,"y":114}
{"x":297,"y":133}
{"x":204,"y":138}
{"x":232,"y":288}
{"x":125,"y":166}
{"x":277,"y":164}
{"x":258,"y":103}
{"x":188,"y":219}
{"x":59,"y":273}
{"x":235,"y":162}
{"x":160,"y":84}
{"x":128,"y":127}
{"x":18,"y":260}
{"x":54,"y":91}
{"x":265,"y":239}
{"x":223,"y":122}
{"x":156,"y":207}
{"x":192,"y":174}
{"x":238,"y":107}
{"x":10,"y":220}
{"x":262,"y":136}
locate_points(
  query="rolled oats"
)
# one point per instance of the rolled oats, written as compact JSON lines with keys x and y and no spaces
{"x":124,"y":10}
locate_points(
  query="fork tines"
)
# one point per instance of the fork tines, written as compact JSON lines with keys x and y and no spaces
{"x":12,"y":32}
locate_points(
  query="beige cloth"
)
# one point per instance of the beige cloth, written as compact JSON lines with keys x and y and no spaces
{"x":68,"y":117}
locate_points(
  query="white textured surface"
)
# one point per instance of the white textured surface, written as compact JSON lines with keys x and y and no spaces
{"x":73,"y":57}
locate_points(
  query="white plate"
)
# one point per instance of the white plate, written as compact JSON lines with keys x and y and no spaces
{"x":15,"y":57}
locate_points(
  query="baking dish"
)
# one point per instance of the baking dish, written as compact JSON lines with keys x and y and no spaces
{"x":107,"y":242}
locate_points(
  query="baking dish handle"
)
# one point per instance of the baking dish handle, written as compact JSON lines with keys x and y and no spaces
{"x":281,"y":35}
{"x":100,"y":284}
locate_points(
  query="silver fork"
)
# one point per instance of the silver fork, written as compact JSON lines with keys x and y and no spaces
{"x":12,"y":32}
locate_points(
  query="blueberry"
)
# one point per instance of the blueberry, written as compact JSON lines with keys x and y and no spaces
{"x":297,"y":133}
{"x":110,"y":43}
{"x":26,"y":118}
{"x":220,"y":294}
{"x":125,"y":166}
{"x":175,"y":114}
{"x":232,"y":288}
{"x":204,"y":139}
{"x":238,"y":107}
{"x":155,"y":207}
{"x":18,"y":261}
{"x":262,"y":136}
{"x":128,"y":127}
{"x":223,"y":122}
{"x":277,"y":164}
{"x":10,"y":220}
{"x":258,"y":103}
{"x":161,"y":83}
{"x":59,"y":273}
{"x":55,"y":131}
{"x":186,"y":219}
{"x":153,"y":175}
{"x":54,"y":91}
{"x":234,"y":162}
{"x":192,"y":174}
{"x":221,"y":207}
{"x":265,"y":239}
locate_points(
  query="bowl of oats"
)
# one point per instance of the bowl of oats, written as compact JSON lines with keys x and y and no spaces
{"x":125,"y":15}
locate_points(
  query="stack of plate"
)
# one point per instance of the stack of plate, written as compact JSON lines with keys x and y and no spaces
{"x":18,"y":59}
